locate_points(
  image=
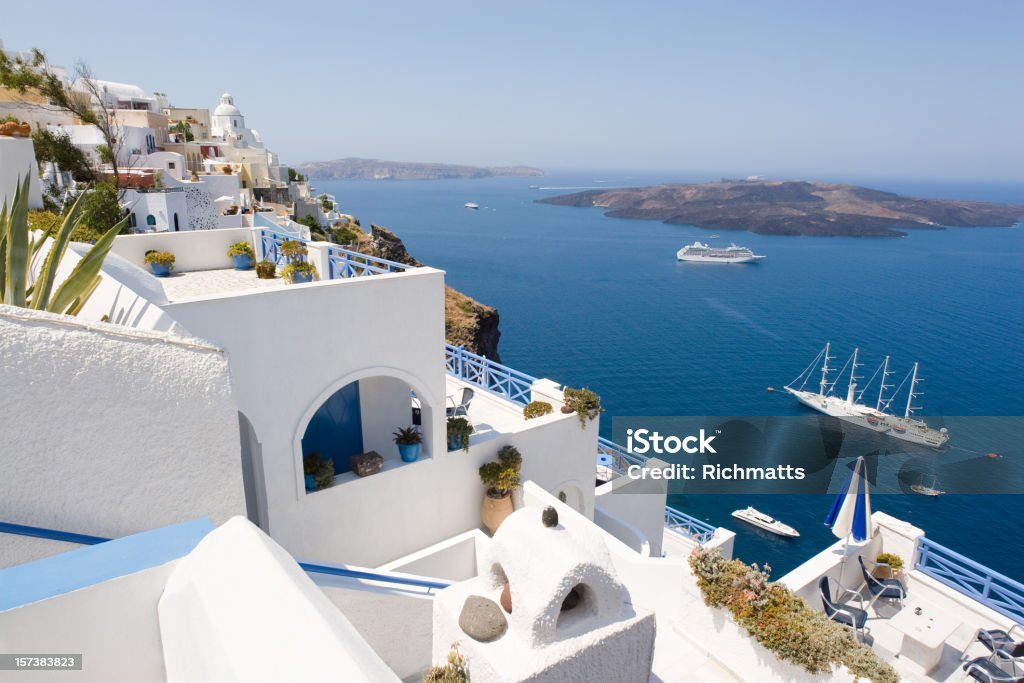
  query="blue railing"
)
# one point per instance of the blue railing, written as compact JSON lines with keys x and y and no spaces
{"x":343,"y":263}
{"x":990,"y":588}
{"x":500,"y":379}
{"x":616,"y":457}
{"x":688,"y":526}
{"x":272,"y":242}
{"x":313,"y":568}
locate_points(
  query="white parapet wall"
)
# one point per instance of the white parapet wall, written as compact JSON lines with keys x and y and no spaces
{"x":18,"y":159}
{"x":192,"y":249}
{"x":110,"y":431}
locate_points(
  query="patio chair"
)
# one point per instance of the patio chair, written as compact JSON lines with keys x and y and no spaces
{"x":461,"y":408}
{"x":882,"y":588}
{"x":996,"y":640}
{"x":988,"y":670}
{"x":847,"y":615}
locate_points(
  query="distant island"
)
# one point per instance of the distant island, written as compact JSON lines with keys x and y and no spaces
{"x":353,"y":168}
{"x":772,"y":207}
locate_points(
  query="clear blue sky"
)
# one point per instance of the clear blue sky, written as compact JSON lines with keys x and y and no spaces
{"x":917,"y":89}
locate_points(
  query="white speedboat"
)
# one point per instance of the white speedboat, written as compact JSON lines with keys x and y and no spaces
{"x":471,"y":205}
{"x":766,"y":522}
{"x":702,"y":253}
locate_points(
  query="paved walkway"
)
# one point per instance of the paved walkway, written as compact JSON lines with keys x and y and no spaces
{"x":200,"y":283}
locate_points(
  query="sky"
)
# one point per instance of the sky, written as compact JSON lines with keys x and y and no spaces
{"x":911,"y":89}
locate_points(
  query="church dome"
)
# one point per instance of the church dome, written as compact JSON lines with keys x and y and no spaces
{"x":227,"y":106}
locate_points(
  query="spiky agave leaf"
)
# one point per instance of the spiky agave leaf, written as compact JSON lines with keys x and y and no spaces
{"x":16,"y":274}
{"x":3,"y":251}
{"x":48,"y":273}
{"x":81,"y":278}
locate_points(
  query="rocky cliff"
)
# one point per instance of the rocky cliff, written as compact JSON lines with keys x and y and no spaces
{"x":466,"y":321}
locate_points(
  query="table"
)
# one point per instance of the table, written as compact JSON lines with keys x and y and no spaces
{"x":925,"y":634}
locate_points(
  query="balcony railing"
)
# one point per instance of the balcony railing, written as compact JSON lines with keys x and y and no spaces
{"x":344,"y":263}
{"x":990,"y":588}
{"x":502,"y":380}
{"x":616,"y":457}
{"x":691,"y":527}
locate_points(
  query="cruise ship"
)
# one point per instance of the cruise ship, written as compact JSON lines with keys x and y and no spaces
{"x":877,"y":418}
{"x":703,"y":253}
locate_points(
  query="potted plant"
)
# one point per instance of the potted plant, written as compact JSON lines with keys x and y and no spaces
{"x":459,"y":430}
{"x":226,"y":168}
{"x":536,"y":409}
{"x":266,"y":270}
{"x":584,"y":402}
{"x":509,"y":456}
{"x":501,"y":480}
{"x":895,"y":563}
{"x":409,"y":440}
{"x":293,"y":250}
{"x":310,"y":465}
{"x":241,"y":254}
{"x":298,"y":272}
{"x":160,"y":262}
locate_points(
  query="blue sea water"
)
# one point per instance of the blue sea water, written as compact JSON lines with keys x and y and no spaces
{"x":602,"y":302}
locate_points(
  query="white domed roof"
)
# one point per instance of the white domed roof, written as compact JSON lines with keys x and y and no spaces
{"x":227,"y":106}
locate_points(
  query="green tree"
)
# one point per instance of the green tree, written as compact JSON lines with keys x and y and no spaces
{"x":56,"y":147}
{"x":101,"y":207}
{"x":183,"y":128}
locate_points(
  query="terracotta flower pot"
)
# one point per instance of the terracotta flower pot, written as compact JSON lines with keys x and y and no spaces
{"x":25,"y":129}
{"x":493,"y":511}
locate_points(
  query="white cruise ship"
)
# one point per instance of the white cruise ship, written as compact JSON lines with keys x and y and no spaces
{"x":703,"y":253}
{"x":877,"y":418}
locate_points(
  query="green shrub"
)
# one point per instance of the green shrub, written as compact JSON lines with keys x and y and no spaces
{"x":585,"y":403}
{"x":241,"y":249}
{"x":453,"y":672}
{"x":782,"y":622}
{"x":293,"y":248}
{"x":311,"y":463}
{"x":509,"y":456}
{"x":265,"y":270}
{"x":407,"y":436}
{"x":164,"y":258}
{"x":536,"y":409}
{"x":344,"y":235}
{"x":891,"y":559}
{"x":324,"y":475}
{"x":500,"y":479}
{"x":101,"y":207}
{"x":310,"y":222}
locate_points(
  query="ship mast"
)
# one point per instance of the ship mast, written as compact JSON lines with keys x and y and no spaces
{"x":853,"y":379}
{"x":911,"y":395}
{"x":881,"y":389}
{"x":824,"y":370}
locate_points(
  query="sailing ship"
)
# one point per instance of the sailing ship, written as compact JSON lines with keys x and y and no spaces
{"x":880,"y":418}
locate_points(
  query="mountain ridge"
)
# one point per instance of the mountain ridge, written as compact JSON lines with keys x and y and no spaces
{"x":357,"y":168}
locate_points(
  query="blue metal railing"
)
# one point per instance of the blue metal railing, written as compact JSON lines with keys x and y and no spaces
{"x":990,"y":588}
{"x":688,"y":526}
{"x":272,"y":242}
{"x":616,"y":457}
{"x":343,"y":263}
{"x":314,"y":568}
{"x":500,"y":379}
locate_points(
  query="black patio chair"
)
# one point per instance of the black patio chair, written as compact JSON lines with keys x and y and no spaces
{"x":996,"y":640}
{"x":460,"y":409}
{"x":847,"y":615}
{"x":882,"y":588}
{"x":988,"y":670}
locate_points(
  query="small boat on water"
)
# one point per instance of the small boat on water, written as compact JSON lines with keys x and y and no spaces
{"x":766,"y":522}
{"x":471,"y":205}
{"x":929,"y":489}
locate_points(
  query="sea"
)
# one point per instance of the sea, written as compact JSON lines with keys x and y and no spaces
{"x":601,"y":302}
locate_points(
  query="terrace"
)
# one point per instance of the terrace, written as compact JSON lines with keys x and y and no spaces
{"x":949,"y":597}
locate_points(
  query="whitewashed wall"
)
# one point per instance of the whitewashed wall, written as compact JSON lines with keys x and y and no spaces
{"x":18,"y":157}
{"x":193,"y":250}
{"x":110,"y":431}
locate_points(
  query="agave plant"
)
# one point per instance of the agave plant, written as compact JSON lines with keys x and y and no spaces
{"x":18,"y":249}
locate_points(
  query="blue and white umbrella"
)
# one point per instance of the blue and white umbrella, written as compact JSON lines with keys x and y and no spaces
{"x":851,"y":512}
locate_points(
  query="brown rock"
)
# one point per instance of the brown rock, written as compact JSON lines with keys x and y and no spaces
{"x":481,"y":619}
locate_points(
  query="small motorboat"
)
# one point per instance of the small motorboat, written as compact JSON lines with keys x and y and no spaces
{"x":766,"y":522}
{"x":471,"y":205}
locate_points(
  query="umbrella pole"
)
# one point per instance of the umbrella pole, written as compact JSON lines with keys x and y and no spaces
{"x":842,"y":565}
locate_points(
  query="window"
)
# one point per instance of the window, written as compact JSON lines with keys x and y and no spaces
{"x":235,"y":122}
{"x":171,"y":166}
{"x":133,"y":220}
{"x":150,"y":219}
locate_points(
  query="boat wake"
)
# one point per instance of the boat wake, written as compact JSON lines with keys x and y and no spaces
{"x":731,"y":312}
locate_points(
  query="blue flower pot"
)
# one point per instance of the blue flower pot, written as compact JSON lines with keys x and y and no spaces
{"x":159,"y":269}
{"x":301,"y":278}
{"x":310,"y":483}
{"x":409,"y":451}
{"x":455,"y":442}
{"x":242,"y":261}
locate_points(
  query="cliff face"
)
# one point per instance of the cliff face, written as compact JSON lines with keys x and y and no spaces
{"x":466,"y":321}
